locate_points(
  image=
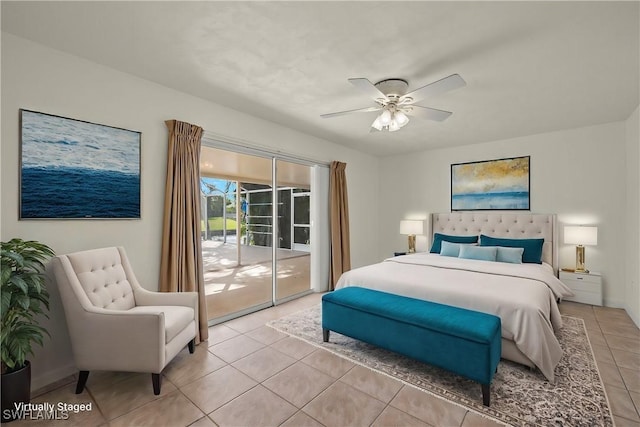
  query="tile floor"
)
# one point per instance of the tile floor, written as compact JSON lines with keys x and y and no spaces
{"x":251,"y":375}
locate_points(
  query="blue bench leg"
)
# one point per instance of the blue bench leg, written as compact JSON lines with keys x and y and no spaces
{"x":485,"y":394}
{"x":325,"y":335}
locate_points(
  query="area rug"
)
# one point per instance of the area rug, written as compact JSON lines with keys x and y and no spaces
{"x":519,"y":396}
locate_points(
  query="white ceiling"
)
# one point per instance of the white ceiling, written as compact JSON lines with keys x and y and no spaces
{"x":530,"y":67}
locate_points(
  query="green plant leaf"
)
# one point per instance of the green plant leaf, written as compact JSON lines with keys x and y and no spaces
{"x":5,"y":274}
{"x":5,"y":299}
{"x":18,"y":281}
{"x":23,"y":301}
{"x":12,"y":258}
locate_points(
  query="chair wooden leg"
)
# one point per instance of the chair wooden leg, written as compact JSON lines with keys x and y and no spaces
{"x":192,"y":345}
{"x":156,"y":380}
{"x":82,"y":381}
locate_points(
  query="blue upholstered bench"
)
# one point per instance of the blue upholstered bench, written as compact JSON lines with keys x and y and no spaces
{"x":462,"y":341}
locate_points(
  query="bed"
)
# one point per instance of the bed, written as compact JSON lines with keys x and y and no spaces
{"x":524,"y":296}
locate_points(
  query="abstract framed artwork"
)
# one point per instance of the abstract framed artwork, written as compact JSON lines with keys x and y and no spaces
{"x":501,"y":184}
{"x":72,"y":169}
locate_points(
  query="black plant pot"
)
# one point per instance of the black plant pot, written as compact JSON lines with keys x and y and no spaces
{"x":16,"y":387}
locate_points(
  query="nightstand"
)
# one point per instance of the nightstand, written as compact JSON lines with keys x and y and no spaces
{"x":587,"y":287}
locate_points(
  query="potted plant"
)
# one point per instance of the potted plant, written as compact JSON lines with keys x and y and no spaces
{"x":23,"y":297}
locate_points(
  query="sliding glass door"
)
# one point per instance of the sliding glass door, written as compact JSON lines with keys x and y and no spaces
{"x":237,"y":231}
{"x":256,"y":242}
{"x":293,"y":258}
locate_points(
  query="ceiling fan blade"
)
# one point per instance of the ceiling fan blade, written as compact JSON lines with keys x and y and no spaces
{"x":369,"y":88}
{"x":429,"y":113}
{"x":446,"y":84}
{"x":359,"y":110}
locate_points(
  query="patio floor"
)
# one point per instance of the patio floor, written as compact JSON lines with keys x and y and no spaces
{"x":230,"y":287}
{"x":218,"y":255}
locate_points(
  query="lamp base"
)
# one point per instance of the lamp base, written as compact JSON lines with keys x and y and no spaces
{"x":580,"y":268}
{"x":412,"y":243}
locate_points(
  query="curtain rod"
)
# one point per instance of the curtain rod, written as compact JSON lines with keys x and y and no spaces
{"x":214,"y":140}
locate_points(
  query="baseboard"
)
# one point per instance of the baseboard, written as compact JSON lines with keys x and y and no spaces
{"x":44,"y":379}
{"x":633,"y":316}
{"x":614,"y":303}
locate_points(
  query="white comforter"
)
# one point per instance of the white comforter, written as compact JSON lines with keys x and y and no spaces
{"x":522,"y":295}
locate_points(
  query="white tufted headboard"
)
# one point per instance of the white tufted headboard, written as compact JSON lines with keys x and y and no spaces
{"x":497,"y":224}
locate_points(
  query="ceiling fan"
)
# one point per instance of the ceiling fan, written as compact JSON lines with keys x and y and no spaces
{"x":396,"y":104}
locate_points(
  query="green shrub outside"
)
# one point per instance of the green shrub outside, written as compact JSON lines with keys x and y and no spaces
{"x":215,"y":224}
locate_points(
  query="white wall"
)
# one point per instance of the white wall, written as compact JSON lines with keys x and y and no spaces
{"x":632,"y":251}
{"x":578,"y":174}
{"x":42,"y":79}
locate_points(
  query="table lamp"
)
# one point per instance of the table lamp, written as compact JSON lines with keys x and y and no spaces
{"x":580,"y":236}
{"x":411,"y":227}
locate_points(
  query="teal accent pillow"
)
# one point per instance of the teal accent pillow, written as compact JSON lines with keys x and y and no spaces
{"x":450,"y":249}
{"x":510,"y":255}
{"x":532,"y":247}
{"x":482,"y":253}
{"x":439,"y":238}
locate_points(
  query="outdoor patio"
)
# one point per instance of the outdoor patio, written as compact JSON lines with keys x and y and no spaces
{"x":217,"y":254}
{"x":230,"y":287}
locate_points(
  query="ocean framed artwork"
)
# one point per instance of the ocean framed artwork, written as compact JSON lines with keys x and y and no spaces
{"x":501,"y":184}
{"x":72,"y":169}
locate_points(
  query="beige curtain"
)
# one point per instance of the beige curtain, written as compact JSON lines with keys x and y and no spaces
{"x":339,"y":208}
{"x":181,"y":259}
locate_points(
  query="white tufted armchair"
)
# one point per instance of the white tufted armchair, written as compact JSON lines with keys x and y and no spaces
{"x":114,"y":323}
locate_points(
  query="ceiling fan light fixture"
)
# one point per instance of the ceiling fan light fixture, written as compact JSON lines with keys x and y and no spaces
{"x":390,"y":120}
{"x":376,"y":124}
{"x":385,"y":118}
{"x":396,"y":104}
{"x":401,"y":118}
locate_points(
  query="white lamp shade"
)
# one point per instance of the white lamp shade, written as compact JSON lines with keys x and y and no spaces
{"x":376,"y":124}
{"x":385,"y":118}
{"x":411,"y":226}
{"x":580,"y":235}
{"x":401,"y":118}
